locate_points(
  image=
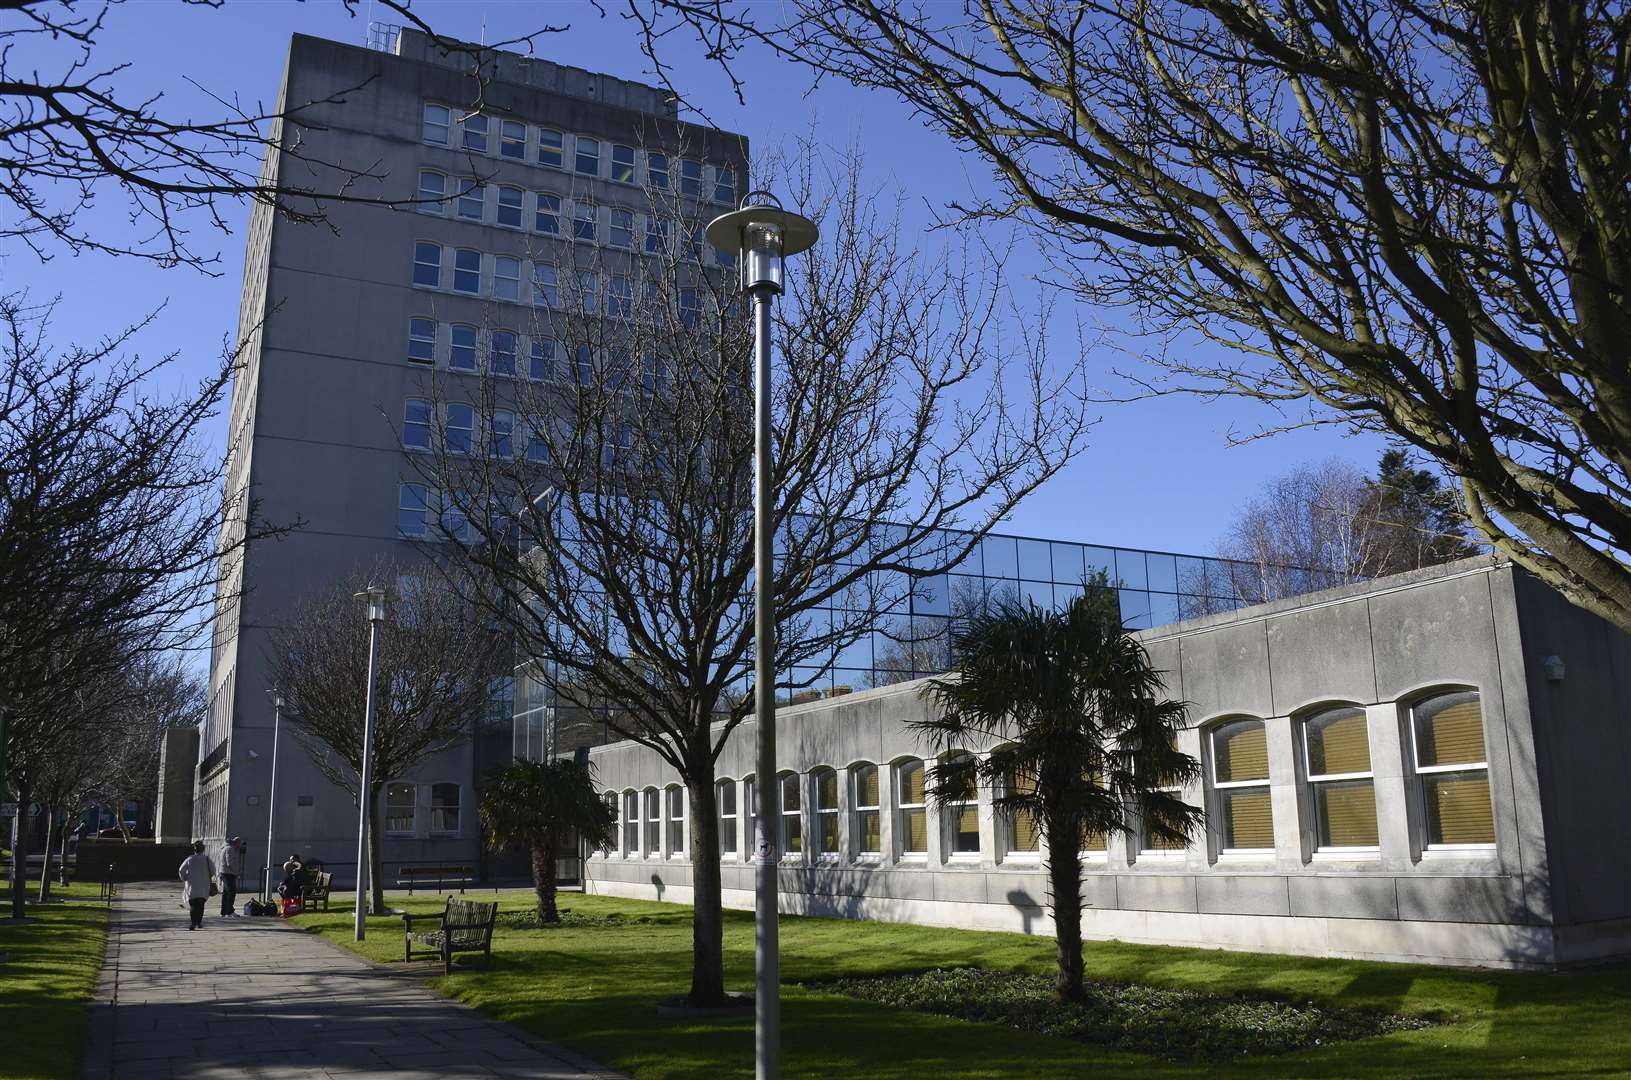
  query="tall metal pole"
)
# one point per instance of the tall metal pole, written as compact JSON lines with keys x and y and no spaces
{"x":767,"y":946}
{"x":271,"y":795}
{"x":366,"y":778}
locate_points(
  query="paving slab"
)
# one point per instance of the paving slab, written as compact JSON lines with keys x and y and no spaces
{"x":257,"y":999}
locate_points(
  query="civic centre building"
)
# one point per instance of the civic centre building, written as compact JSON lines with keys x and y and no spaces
{"x":1429,"y":767}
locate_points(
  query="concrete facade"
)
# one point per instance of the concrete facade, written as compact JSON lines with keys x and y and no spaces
{"x":1553,"y":888}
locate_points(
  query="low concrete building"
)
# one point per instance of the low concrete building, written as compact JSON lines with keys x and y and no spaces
{"x":1431,"y":767}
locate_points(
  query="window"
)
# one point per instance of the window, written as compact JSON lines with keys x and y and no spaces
{"x":611,"y":801}
{"x":467,"y":271}
{"x":416,"y":424}
{"x":724,"y":184}
{"x":653,"y":822}
{"x":512,"y":140}
{"x":623,"y":164}
{"x":400,"y":800}
{"x":619,"y":297}
{"x":620,"y":228}
{"x":691,"y":178}
{"x":550,"y":154}
{"x":1149,"y":843}
{"x":461,"y":428}
{"x":631,"y":823}
{"x":454,"y":522}
{"x":1095,"y":842}
{"x":1336,"y":748}
{"x":865,"y":836}
{"x":541,"y":364}
{"x":1021,"y":836}
{"x":674,"y":796}
{"x":657,"y":233}
{"x":432,"y":190}
{"x":911,"y":828}
{"x":462,"y":356}
{"x":960,"y":811}
{"x":427,"y":264}
{"x":506,"y":278}
{"x":725,"y":795}
{"x":654,"y":374}
{"x":587,"y":159}
{"x":501,"y":354}
{"x":1452,"y":770}
{"x":584,"y":365}
{"x":537,"y":447}
{"x":792,"y":824}
{"x":826,"y":808}
{"x":1240,"y":777}
{"x":475,"y":133}
{"x":444,"y":808}
{"x":588,"y":292}
{"x":547,"y":218}
{"x":411,"y":505}
{"x":501,"y":442}
{"x":510,"y":201}
{"x":657,"y":170}
{"x":472,"y":200}
{"x":546,"y":290}
{"x":583,"y":221}
{"x":690,"y":306}
{"x":436,"y":122}
{"x":422,"y":340}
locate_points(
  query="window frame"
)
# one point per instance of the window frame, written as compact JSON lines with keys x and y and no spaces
{"x":859,"y":811}
{"x":1007,"y":821}
{"x":420,"y":249}
{"x":628,"y":165}
{"x":506,"y":139}
{"x":653,"y":171}
{"x":691,"y":184}
{"x":458,"y":808}
{"x":613,"y":802}
{"x":1418,"y":786}
{"x":787,"y":818}
{"x":474,"y":130}
{"x":432,"y":202}
{"x":629,"y":838}
{"x":550,"y":290}
{"x":422,"y":509}
{"x":459,"y":270}
{"x":449,"y":426}
{"x":416,"y":323}
{"x":951,"y":809}
{"x":473,"y":195}
{"x":613,"y":228}
{"x":456,"y":350}
{"x":732,"y":819}
{"x":903,"y":810}
{"x":1218,"y":788}
{"x":412,"y":788}
{"x":507,"y":287}
{"x":540,"y":214}
{"x":425,"y":423}
{"x":585,"y":212}
{"x":496,"y":354}
{"x":579,"y":157}
{"x":1314,"y":781}
{"x":674,"y":824}
{"x":501,"y":434}
{"x":722,"y":173}
{"x":651,"y":822}
{"x":426,"y":123}
{"x":517,"y":210}
{"x":827,"y":815}
{"x":551,"y":147}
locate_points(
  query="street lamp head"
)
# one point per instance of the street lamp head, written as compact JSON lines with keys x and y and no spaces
{"x":277,"y":698}
{"x":761,"y":235}
{"x":375,"y":597}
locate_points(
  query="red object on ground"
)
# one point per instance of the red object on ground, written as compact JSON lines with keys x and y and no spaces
{"x":291,"y":907}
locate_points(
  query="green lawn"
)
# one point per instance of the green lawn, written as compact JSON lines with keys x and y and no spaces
{"x":48,"y":981}
{"x":593,"y":989}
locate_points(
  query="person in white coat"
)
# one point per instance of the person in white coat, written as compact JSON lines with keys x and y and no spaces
{"x":197,"y":871}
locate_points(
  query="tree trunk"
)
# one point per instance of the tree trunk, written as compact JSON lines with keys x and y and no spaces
{"x":19,"y":841}
{"x":62,"y":855}
{"x":707,"y":913}
{"x":376,"y":858}
{"x":45,"y":867}
{"x":1065,"y":885}
{"x":543,"y":881}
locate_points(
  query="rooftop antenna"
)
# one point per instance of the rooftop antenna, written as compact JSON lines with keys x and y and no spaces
{"x":483,"y":26}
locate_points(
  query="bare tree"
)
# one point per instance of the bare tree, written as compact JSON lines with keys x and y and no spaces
{"x":436,"y":655}
{"x":609,"y":503}
{"x":155,"y":694}
{"x":1405,"y":215}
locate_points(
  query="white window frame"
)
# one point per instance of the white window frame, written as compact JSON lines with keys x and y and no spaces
{"x":1221,"y":786}
{"x":1176,"y":854}
{"x":629,"y":838}
{"x":501,"y":434}
{"x":551,"y":145}
{"x":859,"y":809}
{"x":585,"y":212}
{"x":620,"y":296}
{"x":613,"y":801}
{"x":659,"y":236}
{"x":458,"y":409}
{"x":674,"y":825}
{"x":415,"y":337}
{"x":455,"y":522}
{"x":422,"y":509}
{"x":1314,"y":780}
{"x":475,"y":130}
{"x":785,"y":817}
{"x":413,"y":789}
{"x":423,"y":425}
{"x":546,"y":207}
{"x":651,"y":823}
{"x":659,"y":164}
{"x":458,"y":270}
{"x":420,"y":249}
{"x":472,"y":197}
{"x":495,"y":355}
{"x":578,"y":155}
{"x":436,"y":192}
{"x":750,"y":814}
{"x":695,"y":182}
{"x":1418,"y":789}
{"x":455,"y":349}
{"x":546,"y":285}
{"x":507,"y":285}
{"x":720,"y":173}
{"x":613,"y":213}
{"x":732,"y":820}
{"x":516,"y":209}
{"x":617,"y":164}
{"x":903,"y":809}
{"x":458,"y":808}
{"x":949,"y":811}
{"x":542,"y":350}
{"x":427,"y":124}
{"x":588,"y":292}
{"x":823,"y":814}
{"x":1011,"y":851}
{"x":508,"y":137}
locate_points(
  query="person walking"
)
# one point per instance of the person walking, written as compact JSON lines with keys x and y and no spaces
{"x":197,"y":874}
{"x":232,"y":865}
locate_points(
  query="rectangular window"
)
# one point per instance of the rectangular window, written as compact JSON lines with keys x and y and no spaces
{"x":866,"y":837}
{"x":547,"y":219}
{"x":422,"y":340}
{"x":657,"y":233}
{"x":911,"y":828}
{"x":1336,"y":748}
{"x":584,"y":365}
{"x":588,"y":292}
{"x":657,"y":170}
{"x":454,"y":522}
{"x":506,"y":278}
{"x":411,"y":504}
{"x":691,"y":178}
{"x":444,"y":809}
{"x":675,"y":819}
{"x":610,"y":799}
{"x":437,"y":121}
{"x":537,"y":447}
{"x":631,"y":823}
{"x":961,"y":816}
{"x":586,"y":162}
{"x":1240,"y":776}
{"x":467,"y":271}
{"x":475,"y":133}
{"x":724,"y":185}
{"x":792,"y":834}
{"x":462,"y":355}
{"x":432,"y":190}
{"x":583,"y":221}
{"x":653,"y":822}
{"x":461,"y":428}
{"x":1453,"y":771}
{"x":427,"y":264}
{"x":826,"y":793}
{"x":1022,"y":837}
{"x":546,"y":290}
{"x":502,"y":441}
{"x":416,"y":424}
{"x":725,"y":796}
{"x":510,"y":201}
{"x":619,"y":297}
{"x":690,"y":306}
{"x":654,"y":374}
{"x":541,"y":363}
{"x":473,"y":200}
{"x":400,"y":800}
{"x":550,"y":154}
{"x":501,"y":357}
{"x":620,"y":228}
{"x":512,"y":140}
{"x":622,"y":164}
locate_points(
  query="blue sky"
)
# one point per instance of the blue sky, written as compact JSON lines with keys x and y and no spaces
{"x":1156,"y":474}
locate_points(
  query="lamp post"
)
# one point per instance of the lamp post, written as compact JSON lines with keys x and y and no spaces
{"x":271,"y":793}
{"x":375,"y":598}
{"x":761,"y":234}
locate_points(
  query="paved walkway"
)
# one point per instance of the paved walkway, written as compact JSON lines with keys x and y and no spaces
{"x":254,"y":998}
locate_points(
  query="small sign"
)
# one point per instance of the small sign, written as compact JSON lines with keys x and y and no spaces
{"x":8,"y":809}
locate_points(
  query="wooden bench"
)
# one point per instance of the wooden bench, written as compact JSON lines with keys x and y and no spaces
{"x":316,"y":889}
{"x":466,"y":926}
{"x":443,"y":875}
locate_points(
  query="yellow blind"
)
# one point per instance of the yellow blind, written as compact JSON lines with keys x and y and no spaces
{"x":829,"y":832}
{"x":911,"y":782}
{"x":790,"y":792}
{"x":1248,"y":819}
{"x":1241,"y":751}
{"x":866,"y":786}
{"x":968,"y":821}
{"x":827,"y":790}
{"x":1458,"y":808}
{"x":871,"y":840}
{"x":1027,"y":837}
{"x":1347,"y":813}
{"x":1095,"y":840}
{"x":1338,"y":742}
{"x":917,"y":835}
{"x":1450,"y":731}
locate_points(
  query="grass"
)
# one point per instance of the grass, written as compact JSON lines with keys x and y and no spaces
{"x":592,"y":987}
{"x":47,"y":983}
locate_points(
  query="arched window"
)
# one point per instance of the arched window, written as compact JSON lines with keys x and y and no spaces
{"x":792,"y":826}
{"x":725,"y":797}
{"x":631,"y":823}
{"x":911,"y":829}
{"x":1342,"y":789}
{"x":865,"y":834}
{"x":444,"y":809}
{"x":825,"y":782}
{"x":1021,"y":835}
{"x":1149,"y":842}
{"x":1240,"y":782}
{"x":1452,"y":771}
{"x":674,"y":818}
{"x":960,"y":812}
{"x":610,"y":799}
{"x":653,"y":821}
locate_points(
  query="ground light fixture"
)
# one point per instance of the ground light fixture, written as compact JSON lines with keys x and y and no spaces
{"x":761,"y":235}
{"x":374,"y":599}
{"x":271,"y":791}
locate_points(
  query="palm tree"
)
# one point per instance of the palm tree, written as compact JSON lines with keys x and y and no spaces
{"x":543,"y":806}
{"x":1084,"y":741}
